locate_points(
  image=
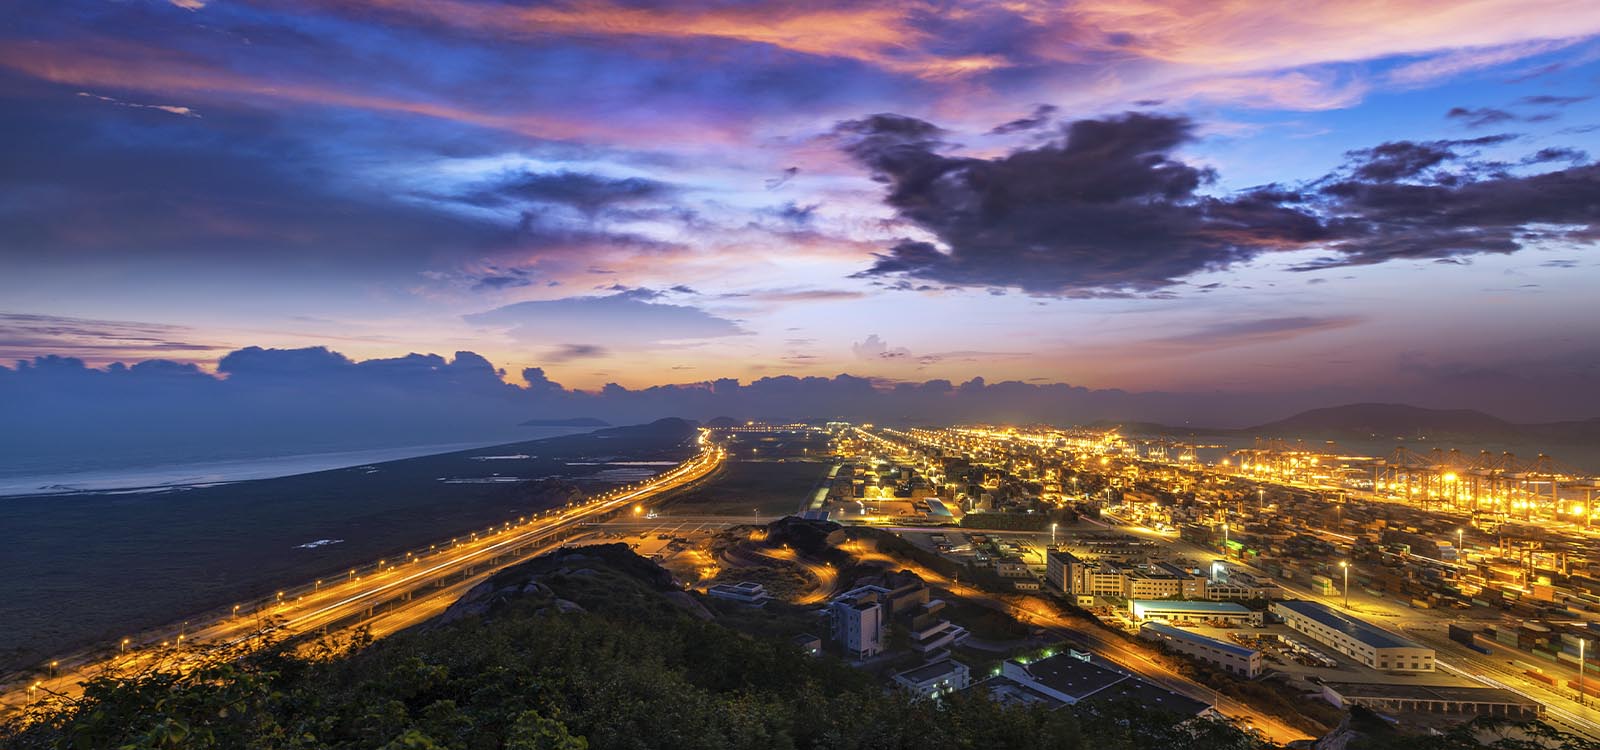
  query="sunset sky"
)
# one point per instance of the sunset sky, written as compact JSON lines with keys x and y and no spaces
{"x":1189,"y":196}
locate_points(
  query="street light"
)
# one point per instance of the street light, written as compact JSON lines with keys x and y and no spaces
{"x":1346,"y":567}
{"x":1582,"y":642}
{"x":1461,"y":544}
{"x":1052,"y":534}
{"x":1261,"y":498}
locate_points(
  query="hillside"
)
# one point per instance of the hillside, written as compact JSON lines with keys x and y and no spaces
{"x":1389,"y":420}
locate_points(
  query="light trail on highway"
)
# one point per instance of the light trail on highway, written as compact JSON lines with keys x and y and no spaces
{"x":356,"y":600}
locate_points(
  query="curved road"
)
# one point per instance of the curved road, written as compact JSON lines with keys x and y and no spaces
{"x":388,"y":594}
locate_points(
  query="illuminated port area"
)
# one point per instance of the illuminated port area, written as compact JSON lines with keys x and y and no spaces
{"x":1433,"y":586}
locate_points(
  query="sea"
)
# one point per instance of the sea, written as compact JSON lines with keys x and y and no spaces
{"x":101,"y":473}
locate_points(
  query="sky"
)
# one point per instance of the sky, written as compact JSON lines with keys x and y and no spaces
{"x":1258,"y":206}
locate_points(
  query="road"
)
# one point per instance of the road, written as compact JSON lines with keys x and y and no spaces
{"x":387,"y":596}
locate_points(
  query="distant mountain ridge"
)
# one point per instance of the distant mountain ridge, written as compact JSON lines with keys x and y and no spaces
{"x":1377,"y":420}
{"x":1389,"y":420}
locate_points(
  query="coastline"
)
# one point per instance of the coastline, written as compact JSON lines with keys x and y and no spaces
{"x":209,"y":473}
{"x":103,"y":564}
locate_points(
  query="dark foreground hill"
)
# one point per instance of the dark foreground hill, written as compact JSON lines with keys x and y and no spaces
{"x":591,"y":647}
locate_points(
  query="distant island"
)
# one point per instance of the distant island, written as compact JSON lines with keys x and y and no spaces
{"x":573,"y":422}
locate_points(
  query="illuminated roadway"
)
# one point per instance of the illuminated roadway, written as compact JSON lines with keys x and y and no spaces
{"x":393,"y":595}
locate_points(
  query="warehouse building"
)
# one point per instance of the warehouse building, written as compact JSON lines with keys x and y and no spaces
{"x":1245,"y":662}
{"x":1194,"y":613}
{"x":1368,"y":644}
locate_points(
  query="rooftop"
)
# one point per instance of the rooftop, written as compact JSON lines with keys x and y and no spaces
{"x":1162,"y":605}
{"x":1193,"y":637}
{"x":1151,"y":696}
{"x":1073,"y":676}
{"x":1064,"y":556}
{"x":1463,"y":694}
{"x":1371,"y":635}
{"x":1010,"y":692}
{"x":931,"y":671}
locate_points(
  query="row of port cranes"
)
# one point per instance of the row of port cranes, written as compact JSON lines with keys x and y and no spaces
{"x":1489,"y":487}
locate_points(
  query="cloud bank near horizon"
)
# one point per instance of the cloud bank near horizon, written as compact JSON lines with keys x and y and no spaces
{"x":261,"y":399}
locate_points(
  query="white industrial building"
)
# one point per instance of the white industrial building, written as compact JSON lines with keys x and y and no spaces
{"x":1195,"y":613}
{"x":1370,"y":645}
{"x":1245,"y":662}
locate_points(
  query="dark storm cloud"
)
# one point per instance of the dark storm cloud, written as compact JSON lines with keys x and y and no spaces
{"x":1551,"y":154}
{"x":1104,"y":208}
{"x":789,"y":173}
{"x":1040,"y":118}
{"x":1477,"y":117}
{"x":570,"y":352}
{"x":1454,"y":206}
{"x":587,"y":193}
{"x":1107,"y":210}
{"x":503,"y":278}
{"x":1398,"y":160}
{"x":1548,"y":100}
{"x":1480,"y":116}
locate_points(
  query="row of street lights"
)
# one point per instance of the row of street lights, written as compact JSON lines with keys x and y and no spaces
{"x":124,"y":644}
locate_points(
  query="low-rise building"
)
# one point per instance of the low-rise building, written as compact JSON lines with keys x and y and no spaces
{"x":808,"y":643}
{"x":1012,"y":567}
{"x":1141,"y":584}
{"x":1231,"y":584}
{"x":1246,"y":662}
{"x":746,"y":592}
{"x":929,"y":631}
{"x":1194,"y":612}
{"x":1366,"y":643}
{"x":935,"y":678}
{"x":858,"y":619}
